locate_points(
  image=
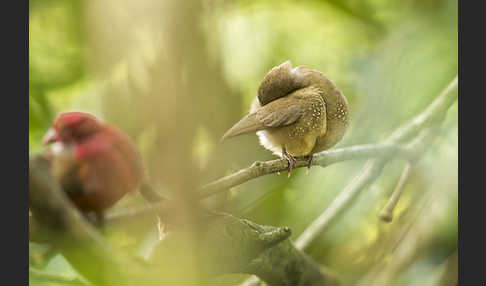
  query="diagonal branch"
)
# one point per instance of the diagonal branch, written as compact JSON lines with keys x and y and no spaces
{"x":322,"y":159}
{"x":386,"y":213}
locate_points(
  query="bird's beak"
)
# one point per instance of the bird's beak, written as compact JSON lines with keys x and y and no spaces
{"x":51,"y":136}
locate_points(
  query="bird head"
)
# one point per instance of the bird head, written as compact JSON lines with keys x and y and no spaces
{"x":280,"y":81}
{"x":71,"y":127}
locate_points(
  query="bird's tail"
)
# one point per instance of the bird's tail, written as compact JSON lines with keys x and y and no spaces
{"x":247,"y":124}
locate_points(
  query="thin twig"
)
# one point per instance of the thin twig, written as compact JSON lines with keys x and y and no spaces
{"x":402,"y":237}
{"x":386,"y":213}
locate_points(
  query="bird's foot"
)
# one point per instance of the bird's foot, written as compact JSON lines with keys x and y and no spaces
{"x":309,"y":163}
{"x":290,"y":159}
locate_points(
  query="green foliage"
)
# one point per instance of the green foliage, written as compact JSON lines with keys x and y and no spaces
{"x":390,"y":58}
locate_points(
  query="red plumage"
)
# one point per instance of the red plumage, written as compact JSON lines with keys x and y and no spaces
{"x":95,"y":163}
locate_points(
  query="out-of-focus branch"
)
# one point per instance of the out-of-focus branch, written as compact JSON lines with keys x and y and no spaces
{"x":410,"y":244}
{"x":368,"y":174}
{"x":386,"y":213}
{"x":234,"y":245}
{"x":56,"y":278}
{"x":448,"y":271}
{"x":405,"y":236}
{"x":436,"y":110}
{"x":150,"y":194}
{"x":230,"y":243}
{"x":420,"y":143}
{"x":287,"y":266}
{"x":261,"y":250}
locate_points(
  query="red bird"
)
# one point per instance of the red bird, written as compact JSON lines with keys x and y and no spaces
{"x":95,"y":163}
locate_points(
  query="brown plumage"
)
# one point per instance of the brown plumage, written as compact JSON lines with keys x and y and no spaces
{"x":298,"y":112}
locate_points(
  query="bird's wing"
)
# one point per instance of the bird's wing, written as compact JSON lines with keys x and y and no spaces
{"x":280,"y":112}
{"x":107,"y":165}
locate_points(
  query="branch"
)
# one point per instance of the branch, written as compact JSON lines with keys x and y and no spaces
{"x":322,"y":159}
{"x":435,"y":111}
{"x":386,"y":213}
{"x":56,"y":278}
{"x":369,"y":173}
{"x":229,"y":243}
{"x":235,"y":245}
{"x":448,"y":271}
{"x":287,"y":266}
{"x":413,"y":240}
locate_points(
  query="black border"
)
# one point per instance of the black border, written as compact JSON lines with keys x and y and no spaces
{"x":15,"y":142}
{"x":472,"y":238}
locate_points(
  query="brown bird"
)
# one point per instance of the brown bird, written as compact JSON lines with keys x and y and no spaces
{"x":298,"y":112}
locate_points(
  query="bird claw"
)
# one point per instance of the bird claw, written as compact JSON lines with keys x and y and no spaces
{"x":290,"y":167}
{"x":290,"y":160}
{"x":309,"y":164}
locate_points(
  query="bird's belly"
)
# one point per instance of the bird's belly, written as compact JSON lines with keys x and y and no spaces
{"x":275,"y":139}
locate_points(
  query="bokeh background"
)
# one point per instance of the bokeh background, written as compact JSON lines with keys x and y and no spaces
{"x":175,"y":75}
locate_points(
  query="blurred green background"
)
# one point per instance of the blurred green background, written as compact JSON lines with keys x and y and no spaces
{"x":175,"y":75}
